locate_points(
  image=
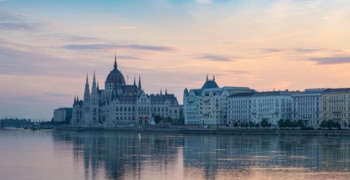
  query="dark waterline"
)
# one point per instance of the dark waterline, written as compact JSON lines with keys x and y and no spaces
{"x":47,"y":154}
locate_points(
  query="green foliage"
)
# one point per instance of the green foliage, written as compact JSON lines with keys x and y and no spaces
{"x":289,"y":123}
{"x":168,"y":120}
{"x":330,"y":124}
{"x":157,"y":119}
{"x":265,"y":123}
{"x":245,"y":124}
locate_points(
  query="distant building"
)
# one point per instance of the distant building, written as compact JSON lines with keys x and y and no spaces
{"x":272,"y":106}
{"x":239,"y":108}
{"x":208,"y":105}
{"x":336,"y":105}
{"x":257,"y":106}
{"x":63,"y":114}
{"x":121,"y":104}
{"x":307,"y":106}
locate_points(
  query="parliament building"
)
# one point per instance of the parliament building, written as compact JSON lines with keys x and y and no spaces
{"x":121,"y":104}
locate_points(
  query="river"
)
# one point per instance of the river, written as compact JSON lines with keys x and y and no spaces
{"x":50,"y":154}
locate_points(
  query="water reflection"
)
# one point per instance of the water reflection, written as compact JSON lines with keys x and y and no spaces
{"x":133,"y":155}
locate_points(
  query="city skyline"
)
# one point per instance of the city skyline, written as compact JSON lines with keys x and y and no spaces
{"x":48,"y":47}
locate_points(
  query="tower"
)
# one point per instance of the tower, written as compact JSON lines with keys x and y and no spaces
{"x":140,"y":83}
{"x":86,"y":104}
{"x":94,"y":101}
{"x":87,"y":91}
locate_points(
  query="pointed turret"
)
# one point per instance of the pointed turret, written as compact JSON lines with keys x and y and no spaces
{"x":87,"y":91}
{"x":213,"y":77}
{"x":115,"y":61}
{"x":166,"y":91}
{"x":94,"y":82}
{"x":140,"y":83}
{"x":207,"y":78}
{"x":134,"y":81}
{"x":161,"y":92}
{"x":94,"y":91}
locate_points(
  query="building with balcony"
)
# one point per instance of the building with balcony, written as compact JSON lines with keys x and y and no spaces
{"x":208,"y":105}
{"x":336,"y":105}
{"x":307,"y":106}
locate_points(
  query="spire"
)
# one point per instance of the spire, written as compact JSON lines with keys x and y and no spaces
{"x":134,"y":81}
{"x":87,"y":91}
{"x":115,"y":61}
{"x":213,"y":77}
{"x":94,"y":82}
{"x":166,"y":91}
{"x":98,"y":88}
{"x":207,"y":78}
{"x":94,"y":88}
{"x":161,"y":92}
{"x":87,"y":79}
{"x":140,"y":83}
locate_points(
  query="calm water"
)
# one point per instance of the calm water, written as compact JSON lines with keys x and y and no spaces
{"x":46,"y":154}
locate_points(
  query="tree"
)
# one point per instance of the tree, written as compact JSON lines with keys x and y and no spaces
{"x":157,"y":119}
{"x":330,"y":124}
{"x":281,"y":123}
{"x":265,"y":123}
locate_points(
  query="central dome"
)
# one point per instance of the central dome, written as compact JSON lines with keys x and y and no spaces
{"x":115,"y":76}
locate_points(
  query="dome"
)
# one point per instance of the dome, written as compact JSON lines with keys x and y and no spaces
{"x":115,"y":76}
{"x":210,"y":84}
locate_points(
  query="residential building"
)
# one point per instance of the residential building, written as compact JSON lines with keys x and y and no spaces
{"x":336,"y":105}
{"x":239,"y":108}
{"x":307,"y":106}
{"x":208,"y":105}
{"x":272,"y":106}
{"x":63,"y":114}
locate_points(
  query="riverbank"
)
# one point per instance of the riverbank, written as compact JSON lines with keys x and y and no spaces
{"x":220,"y":130}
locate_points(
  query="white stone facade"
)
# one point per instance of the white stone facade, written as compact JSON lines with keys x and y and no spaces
{"x":307,"y":106}
{"x":61,"y":114}
{"x":272,"y":106}
{"x":208,"y":106}
{"x":239,"y":108}
{"x":121,"y":104}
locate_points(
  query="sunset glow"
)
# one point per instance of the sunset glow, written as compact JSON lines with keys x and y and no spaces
{"x":48,"y":47}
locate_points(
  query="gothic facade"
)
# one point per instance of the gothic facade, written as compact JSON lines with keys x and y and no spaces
{"x":121,"y":104}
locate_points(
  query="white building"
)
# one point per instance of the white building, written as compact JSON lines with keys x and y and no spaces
{"x":192,"y":100}
{"x":62,"y":114}
{"x":307,"y":106}
{"x":239,"y":108}
{"x":272,"y":106}
{"x":208,"y":105}
{"x":121,"y":104}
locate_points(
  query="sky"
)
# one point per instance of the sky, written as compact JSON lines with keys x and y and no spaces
{"x":48,"y":47}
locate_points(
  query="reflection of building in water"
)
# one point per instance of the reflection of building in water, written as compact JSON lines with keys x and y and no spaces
{"x":226,"y":153}
{"x":335,"y":154}
{"x":124,"y":155}
{"x":200,"y":152}
{"x":128,"y":155}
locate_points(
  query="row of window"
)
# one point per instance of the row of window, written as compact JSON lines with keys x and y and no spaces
{"x":336,"y":97}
